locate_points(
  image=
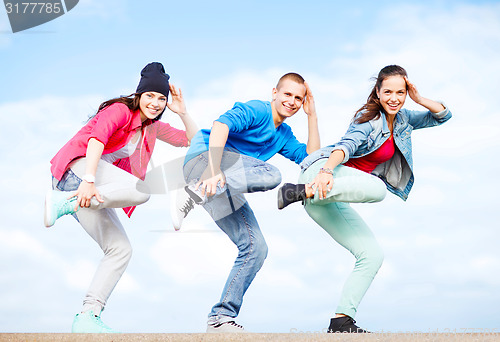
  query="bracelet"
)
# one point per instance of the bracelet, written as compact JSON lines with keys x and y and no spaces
{"x":89,"y":178}
{"x":326,"y":170}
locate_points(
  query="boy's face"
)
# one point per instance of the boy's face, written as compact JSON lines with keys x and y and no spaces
{"x":288,"y":98}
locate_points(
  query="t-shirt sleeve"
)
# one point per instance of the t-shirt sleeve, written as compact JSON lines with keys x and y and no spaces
{"x":243,"y":115}
{"x":171,"y":135}
{"x":109,"y":120}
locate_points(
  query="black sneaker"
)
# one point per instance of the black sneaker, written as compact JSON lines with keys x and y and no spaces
{"x":344,"y":325}
{"x":290,"y":193}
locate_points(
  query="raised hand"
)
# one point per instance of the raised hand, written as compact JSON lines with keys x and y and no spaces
{"x":413,"y":92}
{"x":309,"y":106}
{"x":177,"y":105}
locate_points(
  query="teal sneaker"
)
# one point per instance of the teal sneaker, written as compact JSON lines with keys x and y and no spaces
{"x":87,"y":322}
{"x":57,"y":205}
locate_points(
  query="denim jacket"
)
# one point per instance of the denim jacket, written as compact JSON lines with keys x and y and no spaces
{"x":362,"y":139}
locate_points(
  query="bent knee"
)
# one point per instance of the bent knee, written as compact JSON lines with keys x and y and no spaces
{"x":120,"y":249}
{"x":143,"y":192}
{"x":144,"y":197}
{"x":262,"y":250}
{"x":256,"y":250}
{"x":374,"y":259}
{"x":273,"y":177}
{"x":378,"y":191}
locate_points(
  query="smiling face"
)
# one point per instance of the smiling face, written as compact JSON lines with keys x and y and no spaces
{"x":151,"y":105}
{"x":288,"y":97}
{"x":392,"y":94}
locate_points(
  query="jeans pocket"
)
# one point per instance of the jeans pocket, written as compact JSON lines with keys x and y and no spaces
{"x":69,"y":181}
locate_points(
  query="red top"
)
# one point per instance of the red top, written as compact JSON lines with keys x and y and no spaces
{"x":369,"y":162}
{"x":114,"y":126}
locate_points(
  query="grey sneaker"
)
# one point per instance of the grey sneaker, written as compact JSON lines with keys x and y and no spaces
{"x":225,"y":327}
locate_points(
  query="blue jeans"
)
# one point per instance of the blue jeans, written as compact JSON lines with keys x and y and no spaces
{"x":232,"y":213}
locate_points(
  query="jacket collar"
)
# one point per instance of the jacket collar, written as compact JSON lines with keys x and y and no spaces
{"x":380,"y":125}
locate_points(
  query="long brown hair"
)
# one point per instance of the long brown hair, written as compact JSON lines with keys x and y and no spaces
{"x":132,"y":101}
{"x":372,"y":108}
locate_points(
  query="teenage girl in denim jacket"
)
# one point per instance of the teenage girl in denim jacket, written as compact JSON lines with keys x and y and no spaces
{"x":103,"y":167}
{"x":376,"y":154}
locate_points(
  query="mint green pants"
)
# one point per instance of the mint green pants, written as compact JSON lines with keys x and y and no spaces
{"x":346,"y":227}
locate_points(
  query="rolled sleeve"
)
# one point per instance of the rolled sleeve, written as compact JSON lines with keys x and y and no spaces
{"x":442,"y":114}
{"x":343,"y":148}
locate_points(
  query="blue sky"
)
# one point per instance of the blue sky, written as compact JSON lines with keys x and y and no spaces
{"x":441,"y":268}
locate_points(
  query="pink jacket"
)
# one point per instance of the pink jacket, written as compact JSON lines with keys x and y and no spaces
{"x":114,"y":126}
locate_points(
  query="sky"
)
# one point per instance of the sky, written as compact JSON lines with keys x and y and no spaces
{"x":442,"y":262}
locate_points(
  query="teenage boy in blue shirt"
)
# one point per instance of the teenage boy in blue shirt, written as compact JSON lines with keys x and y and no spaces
{"x":229,"y":160}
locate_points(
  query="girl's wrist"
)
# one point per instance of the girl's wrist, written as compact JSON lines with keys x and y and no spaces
{"x":89,"y":178}
{"x":326,"y":170}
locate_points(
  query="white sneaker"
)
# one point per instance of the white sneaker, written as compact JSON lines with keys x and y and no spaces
{"x":225,"y":327}
{"x":180,"y":205}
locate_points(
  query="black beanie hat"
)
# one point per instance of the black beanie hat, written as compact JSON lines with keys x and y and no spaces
{"x":154,"y":78}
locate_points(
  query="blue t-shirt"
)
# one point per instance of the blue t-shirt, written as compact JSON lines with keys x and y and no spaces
{"x":252,"y":133}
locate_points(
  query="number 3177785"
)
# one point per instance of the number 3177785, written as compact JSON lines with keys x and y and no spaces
{"x":33,"y":7}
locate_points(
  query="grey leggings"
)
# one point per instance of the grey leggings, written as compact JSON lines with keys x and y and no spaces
{"x":346,"y":227}
{"x":118,"y":189}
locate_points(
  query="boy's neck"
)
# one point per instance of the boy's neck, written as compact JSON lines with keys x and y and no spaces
{"x":278,"y":120}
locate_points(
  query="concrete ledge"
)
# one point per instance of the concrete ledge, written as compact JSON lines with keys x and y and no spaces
{"x":251,"y":337}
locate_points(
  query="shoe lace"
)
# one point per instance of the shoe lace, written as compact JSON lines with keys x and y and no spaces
{"x":67,"y":207}
{"x":99,"y":322}
{"x":188,"y":206}
{"x":234,"y":324}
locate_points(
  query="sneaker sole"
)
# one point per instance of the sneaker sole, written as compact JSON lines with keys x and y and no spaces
{"x":197,"y":199}
{"x":281,"y":204}
{"x":47,"y":215}
{"x":173,"y":214}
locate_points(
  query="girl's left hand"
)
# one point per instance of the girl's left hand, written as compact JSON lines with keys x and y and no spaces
{"x":177,"y":105}
{"x":323,"y":182}
{"x":413,"y":92}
